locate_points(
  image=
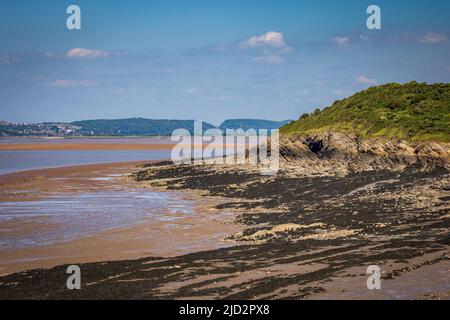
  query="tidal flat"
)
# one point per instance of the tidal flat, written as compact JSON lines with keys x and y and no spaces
{"x":304,"y":237}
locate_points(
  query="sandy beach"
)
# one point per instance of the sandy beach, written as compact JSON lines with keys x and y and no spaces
{"x":205,"y":229}
{"x":291,"y":247}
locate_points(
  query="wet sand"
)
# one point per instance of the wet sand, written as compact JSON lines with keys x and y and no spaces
{"x":205,"y":229}
{"x":160,"y":239}
{"x":304,"y":238}
{"x":36,"y":184}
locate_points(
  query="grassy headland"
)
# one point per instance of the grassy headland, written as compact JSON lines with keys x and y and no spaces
{"x":412,"y":111}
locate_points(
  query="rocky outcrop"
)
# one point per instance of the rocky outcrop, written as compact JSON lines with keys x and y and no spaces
{"x":333,"y":153}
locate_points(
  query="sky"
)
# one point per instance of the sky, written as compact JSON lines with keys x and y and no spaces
{"x":210,"y":60}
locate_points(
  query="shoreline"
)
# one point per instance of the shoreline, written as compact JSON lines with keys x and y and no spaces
{"x":74,"y":166}
{"x":293,"y":246}
{"x":142,"y":239}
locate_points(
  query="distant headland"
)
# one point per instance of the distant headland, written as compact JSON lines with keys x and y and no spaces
{"x":124,"y":127}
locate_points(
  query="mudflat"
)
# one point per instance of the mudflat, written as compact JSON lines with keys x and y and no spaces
{"x":19,"y":186}
{"x":166,"y":233}
{"x":305,"y":237}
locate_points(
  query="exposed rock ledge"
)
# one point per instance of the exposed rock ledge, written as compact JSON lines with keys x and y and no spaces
{"x":333,"y":153}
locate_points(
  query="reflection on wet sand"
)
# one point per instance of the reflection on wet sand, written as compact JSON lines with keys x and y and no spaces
{"x":92,"y":213}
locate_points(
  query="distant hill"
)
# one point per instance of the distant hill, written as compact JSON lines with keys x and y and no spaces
{"x":246,"y":124}
{"x":135,"y":127}
{"x":412,"y":111}
{"x":124,"y":127}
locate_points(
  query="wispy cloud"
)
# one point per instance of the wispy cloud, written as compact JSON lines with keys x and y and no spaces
{"x":65,"y":83}
{"x":366,"y":80}
{"x":342,"y":93}
{"x":319,"y":83}
{"x":433,"y":38}
{"x":8,"y":58}
{"x":351,"y":40}
{"x":218,"y":98}
{"x":74,"y":53}
{"x":4,"y":58}
{"x":428,"y":38}
{"x":193,"y":91}
{"x":269,"y":59}
{"x":87,"y":53}
{"x":221,"y":47}
{"x":341,"y":41}
{"x":211,"y":95}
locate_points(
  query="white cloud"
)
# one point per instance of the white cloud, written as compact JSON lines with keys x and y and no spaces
{"x":64,"y":83}
{"x":341,"y":41}
{"x":366,"y":80}
{"x":269,"y":59}
{"x":80,"y":53}
{"x":271,"y":45}
{"x":269,"y":39}
{"x":433,"y":38}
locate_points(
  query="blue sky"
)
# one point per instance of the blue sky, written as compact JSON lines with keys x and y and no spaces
{"x":210,"y":59}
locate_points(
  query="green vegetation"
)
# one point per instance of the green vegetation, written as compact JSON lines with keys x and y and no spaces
{"x":412,"y":111}
{"x":246,"y":124}
{"x":135,"y":127}
{"x":149,"y":127}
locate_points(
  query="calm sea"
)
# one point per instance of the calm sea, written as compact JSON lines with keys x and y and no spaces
{"x":12,"y":161}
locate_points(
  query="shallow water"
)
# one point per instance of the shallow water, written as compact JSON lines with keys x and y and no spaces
{"x":94,"y":215}
{"x":137,"y":140}
{"x":77,"y":216}
{"x":12,"y":161}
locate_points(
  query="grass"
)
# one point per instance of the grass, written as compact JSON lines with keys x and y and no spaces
{"x":412,"y":111}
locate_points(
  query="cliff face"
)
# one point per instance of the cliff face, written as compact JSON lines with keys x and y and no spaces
{"x":334,"y":153}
